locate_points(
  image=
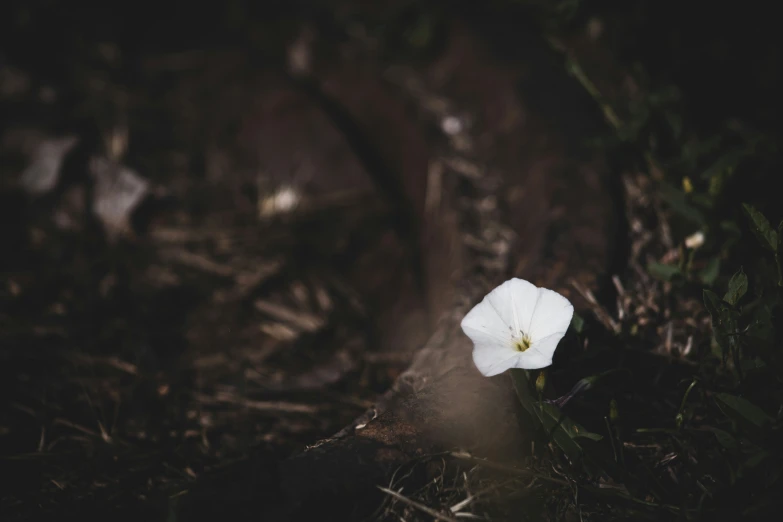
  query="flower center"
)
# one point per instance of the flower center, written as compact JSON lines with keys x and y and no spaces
{"x":522,"y":344}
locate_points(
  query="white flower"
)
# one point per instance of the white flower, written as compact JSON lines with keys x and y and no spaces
{"x":284,"y":200}
{"x":517,"y":325}
{"x":695,"y":240}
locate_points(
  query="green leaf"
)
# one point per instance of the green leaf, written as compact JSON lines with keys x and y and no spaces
{"x":678,"y":202}
{"x":522,"y":388}
{"x":681,"y":412}
{"x":754,"y":364}
{"x":732,"y":406}
{"x":738,"y":286}
{"x":663,"y":272}
{"x":675,"y":123}
{"x":757,"y":458}
{"x":419,"y":34}
{"x":761,"y":327}
{"x":732,"y":232}
{"x":585,"y":384}
{"x":577,"y":323}
{"x":715,"y":305}
{"x":559,"y":427}
{"x":725,"y":438}
{"x":703,"y":200}
{"x":556,"y":432}
{"x":766,"y":235}
{"x":731,"y":228}
{"x":710,"y":273}
{"x":724,"y":323}
{"x":725,"y":164}
{"x":555,"y":424}
{"x":521,"y":383}
{"x":693,"y":151}
{"x":552,"y":416}
{"x":761,"y":336}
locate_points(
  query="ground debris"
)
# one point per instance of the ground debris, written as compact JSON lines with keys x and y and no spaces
{"x":46,"y":163}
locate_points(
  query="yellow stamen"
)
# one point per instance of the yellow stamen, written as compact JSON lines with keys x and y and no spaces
{"x":522,"y":344}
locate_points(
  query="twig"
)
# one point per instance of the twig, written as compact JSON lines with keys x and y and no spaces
{"x":198,"y":262}
{"x":508,"y":469}
{"x":434,"y":186}
{"x":609,"y":113}
{"x":421,"y":507}
{"x":303,"y":320}
{"x":472,"y":497}
{"x":598,"y":310}
{"x":113,"y":361}
{"x":65,"y":422}
{"x":290,"y":407}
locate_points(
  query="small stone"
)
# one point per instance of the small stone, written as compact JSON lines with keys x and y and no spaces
{"x":42,"y":174}
{"x":451,"y":125}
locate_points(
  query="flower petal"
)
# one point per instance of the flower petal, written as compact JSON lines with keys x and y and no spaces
{"x":491,"y":361}
{"x":485,"y":327}
{"x":533,"y":360}
{"x":515,"y":302}
{"x":552,"y":315}
{"x":546,"y":347}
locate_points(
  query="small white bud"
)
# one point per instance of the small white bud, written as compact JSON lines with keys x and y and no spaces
{"x":695,"y":240}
